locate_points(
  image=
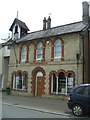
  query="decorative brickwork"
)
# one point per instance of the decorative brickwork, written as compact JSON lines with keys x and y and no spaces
{"x":34,"y":72}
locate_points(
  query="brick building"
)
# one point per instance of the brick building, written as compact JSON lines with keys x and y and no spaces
{"x":51,"y":61}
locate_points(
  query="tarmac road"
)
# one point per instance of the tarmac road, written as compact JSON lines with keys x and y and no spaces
{"x":12,"y":111}
{"x":44,"y":104}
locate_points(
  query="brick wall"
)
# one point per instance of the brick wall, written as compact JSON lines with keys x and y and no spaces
{"x":72,"y":46}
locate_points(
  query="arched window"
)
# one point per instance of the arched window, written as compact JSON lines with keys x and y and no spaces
{"x":23,"y":53}
{"x":39,"y":51}
{"x":57,"y":49}
{"x":62,"y":82}
{"x":19,"y":81}
{"x":58,"y":83}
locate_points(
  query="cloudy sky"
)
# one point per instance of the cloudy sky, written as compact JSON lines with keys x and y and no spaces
{"x":32,"y":13}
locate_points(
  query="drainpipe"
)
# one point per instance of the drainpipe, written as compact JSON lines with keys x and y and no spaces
{"x":88,"y":57}
{"x":77,"y":57}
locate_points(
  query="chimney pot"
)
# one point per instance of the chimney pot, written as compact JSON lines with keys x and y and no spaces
{"x":49,"y":23}
{"x":44,"y":23}
{"x":85,"y":12}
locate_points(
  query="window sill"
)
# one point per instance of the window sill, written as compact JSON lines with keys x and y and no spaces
{"x":19,"y":90}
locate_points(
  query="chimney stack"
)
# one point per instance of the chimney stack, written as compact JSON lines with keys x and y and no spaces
{"x":44,"y":23}
{"x":85,"y":12}
{"x":49,"y":23}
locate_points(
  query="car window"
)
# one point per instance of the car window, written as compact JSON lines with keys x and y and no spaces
{"x":87,"y":90}
{"x":80,"y":90}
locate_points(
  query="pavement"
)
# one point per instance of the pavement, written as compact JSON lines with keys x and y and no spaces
{"x":50,"y":105}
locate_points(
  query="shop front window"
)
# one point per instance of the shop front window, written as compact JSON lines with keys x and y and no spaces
{"x":61,"y":84}
{"x":19,"y":81}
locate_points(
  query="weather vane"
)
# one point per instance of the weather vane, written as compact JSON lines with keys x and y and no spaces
{"x":50,"y":14}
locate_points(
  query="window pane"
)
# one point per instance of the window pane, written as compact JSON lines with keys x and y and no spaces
{"x":57,"y":54}
{"x":14,"y":82}
{"x":54,"y":83}
{"x":19,"y":81}
{"x":57,"y":49}
{"x":61,"y":82}
{"x":24,"y":82}
{"x":24,"y":53}
{"x":87,"y":91}
{"x":39,"y":51}
{"x":80,"y":90}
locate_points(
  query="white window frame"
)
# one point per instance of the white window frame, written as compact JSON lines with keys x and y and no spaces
{"x":15,"y":82}
{"x":58,"y":45}
{"x":58,"y":86}
{"x":39,"y":51}
{"x":24,"y":53}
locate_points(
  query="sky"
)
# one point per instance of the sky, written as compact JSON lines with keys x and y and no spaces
{"x":32,"y":12}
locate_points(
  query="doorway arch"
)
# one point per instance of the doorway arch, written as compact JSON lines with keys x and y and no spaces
{"x":38,"y":81}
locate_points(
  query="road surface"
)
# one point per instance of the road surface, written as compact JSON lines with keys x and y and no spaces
{"x":12,"y":111}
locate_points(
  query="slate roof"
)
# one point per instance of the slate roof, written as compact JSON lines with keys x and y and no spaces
{"x":20,"y":23}
{"x":59,"y":30}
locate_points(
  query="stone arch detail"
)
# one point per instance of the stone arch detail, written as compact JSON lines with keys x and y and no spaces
{"x":73,"y":74}
{"x":61,"y":70}
{"x":34,"y":73}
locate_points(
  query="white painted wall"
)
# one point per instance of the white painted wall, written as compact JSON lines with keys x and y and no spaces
{"x":4,"y":61}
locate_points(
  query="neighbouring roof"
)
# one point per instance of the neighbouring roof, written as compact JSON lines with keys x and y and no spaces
{"x":9,"y":42}
{"x":59,"y":30}
{"x":20,"y":23}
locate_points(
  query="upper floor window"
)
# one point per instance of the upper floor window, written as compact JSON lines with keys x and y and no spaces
{"x":24,"y":53}
{"x":57,"y":49}
{"x":39,"y":51}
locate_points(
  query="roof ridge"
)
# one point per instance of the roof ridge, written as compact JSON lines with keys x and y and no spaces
{"x":55,"y":27}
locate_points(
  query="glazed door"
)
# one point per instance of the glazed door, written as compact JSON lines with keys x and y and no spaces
{"x":40,"y":86}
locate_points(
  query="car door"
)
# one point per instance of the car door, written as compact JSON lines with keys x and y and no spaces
{"x":86,"y":94}
{"x":81,"y":96}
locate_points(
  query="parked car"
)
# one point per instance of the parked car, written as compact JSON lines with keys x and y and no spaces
{"x":79,"y":99}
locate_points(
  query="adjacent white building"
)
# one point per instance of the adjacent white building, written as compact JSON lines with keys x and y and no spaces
{"x":4,"y":60}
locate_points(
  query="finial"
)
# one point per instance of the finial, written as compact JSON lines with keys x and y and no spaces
{"x":17,"y":14}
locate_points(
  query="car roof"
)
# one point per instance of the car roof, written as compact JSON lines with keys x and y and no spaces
{"x":83,"y":84}
{"x":79,"y":85}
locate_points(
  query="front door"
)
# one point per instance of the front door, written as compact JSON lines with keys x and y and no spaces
{"x":40,"y":86}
